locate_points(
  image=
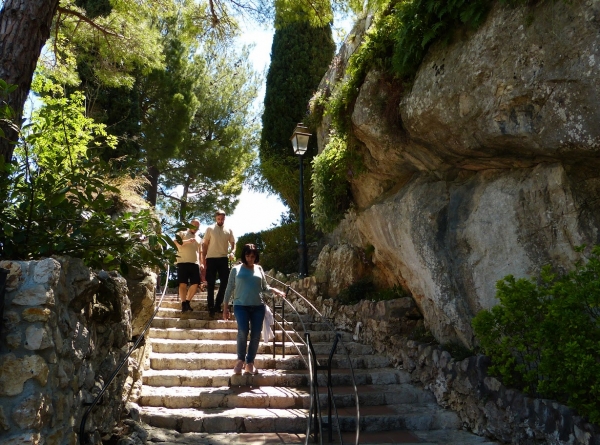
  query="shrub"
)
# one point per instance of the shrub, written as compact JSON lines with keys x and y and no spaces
{"x":364,"y":289}
{"x":57,"y":198}
{"x":278,"y":246}
{"x":331,"y":190}
{"x":544,"y":337}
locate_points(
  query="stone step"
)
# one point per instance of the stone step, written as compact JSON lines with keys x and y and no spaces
{"x":192,"y":320}
{"x":411,"y":417}
{"x":231,"y":334}
{"x":279,"y":397}
{"x":187,"y":322}
{"x":230,"y":346}
{"x":293,"y":420}
{"x":218,"y":360}
{"x":173,"y":309}
{"x":223,"y":346}
{"x":442,"y":437}
{"x":272,"y":377}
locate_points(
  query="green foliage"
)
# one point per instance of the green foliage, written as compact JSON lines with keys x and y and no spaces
{"x":458,"y":351}
{"x":58,"y":199}
{"x":61,"y":123}
{"x":419,"y":23}
{"x":361,"y":290}
{"x":278,"y":246}
{"x":422,"y":334}
{"x":215,"y":154}
{"x":391,"y":293}
{"x":120,"y":39}
{"x":402,"y":33}
{"x":300,"y":55}
{"x":364,"y":289}
{"x":331,"y":190}
{"x":545,"y":338}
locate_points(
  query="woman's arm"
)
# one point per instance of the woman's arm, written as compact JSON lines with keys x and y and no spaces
{"x":229,"y":292}
{"x":266,"y":286}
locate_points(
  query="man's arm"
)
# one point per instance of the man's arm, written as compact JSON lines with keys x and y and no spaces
{"x":204,"y":248}
{"x":232,"y":242}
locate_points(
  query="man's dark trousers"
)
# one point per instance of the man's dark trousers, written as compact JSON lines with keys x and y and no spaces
{"x":216,"y":266}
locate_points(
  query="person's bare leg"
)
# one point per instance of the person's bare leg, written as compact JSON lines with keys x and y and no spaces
{"x":191,"y":292}
{"x":182,"y":293}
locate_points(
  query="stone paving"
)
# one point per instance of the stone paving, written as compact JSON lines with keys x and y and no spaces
{"x":190,"y":394}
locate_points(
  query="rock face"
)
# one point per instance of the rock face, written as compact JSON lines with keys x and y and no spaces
{"x":493,"y":167}
{"x":64,"y":330}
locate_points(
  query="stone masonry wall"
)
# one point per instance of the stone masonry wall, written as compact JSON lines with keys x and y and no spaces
{"x":64,"y":330}
{"x":484,"y":405}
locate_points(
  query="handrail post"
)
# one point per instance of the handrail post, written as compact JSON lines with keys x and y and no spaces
{"x":315,"y":414}
{"x":330,"y":386}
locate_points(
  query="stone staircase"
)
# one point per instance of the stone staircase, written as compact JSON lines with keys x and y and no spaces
{"x":190,"y":394}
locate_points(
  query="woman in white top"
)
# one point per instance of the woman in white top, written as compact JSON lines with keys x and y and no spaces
{"x":246,"y":282}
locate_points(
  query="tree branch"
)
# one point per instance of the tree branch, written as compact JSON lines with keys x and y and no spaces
{"x":89,"y":21}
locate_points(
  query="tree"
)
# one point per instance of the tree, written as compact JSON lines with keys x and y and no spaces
{"x":211,"y":163}
{"x":300,"y":55}
{"x":25,"y":27}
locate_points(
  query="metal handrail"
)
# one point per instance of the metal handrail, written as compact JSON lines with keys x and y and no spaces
{"x":314,"y":367}
{"x":118,"y":368}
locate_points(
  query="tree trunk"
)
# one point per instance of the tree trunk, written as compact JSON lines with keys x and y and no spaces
{"x":24,"y":29}
{"x":153,"y":174}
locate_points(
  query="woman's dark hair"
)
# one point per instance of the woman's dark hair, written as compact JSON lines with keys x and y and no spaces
{"x":250,"y":248}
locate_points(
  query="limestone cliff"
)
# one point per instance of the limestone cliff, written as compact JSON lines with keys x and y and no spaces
{"x":492,"y":166}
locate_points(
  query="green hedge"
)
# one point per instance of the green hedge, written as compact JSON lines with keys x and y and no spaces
{"x":544,"y":336}
{"x":278,"y":247}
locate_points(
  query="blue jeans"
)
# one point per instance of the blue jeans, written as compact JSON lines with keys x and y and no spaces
{"x":249,"y":318}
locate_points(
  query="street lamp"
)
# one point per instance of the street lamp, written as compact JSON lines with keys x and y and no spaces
{"x":300,"y":144}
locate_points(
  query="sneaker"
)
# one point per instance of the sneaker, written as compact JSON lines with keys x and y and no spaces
{"x":189,"y":306}
{"x":237,"y":369}
{"x":184,"y":306}
{"x":250,"y":369}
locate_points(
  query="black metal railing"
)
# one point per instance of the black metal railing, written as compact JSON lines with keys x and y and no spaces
{"x":315,"y":417}
{"x":120,"y":365}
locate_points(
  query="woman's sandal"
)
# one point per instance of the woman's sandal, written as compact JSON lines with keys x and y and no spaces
{"x":250,"y":369}
{"x":237,"y":369}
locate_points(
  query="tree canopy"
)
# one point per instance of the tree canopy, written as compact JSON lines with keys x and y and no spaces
{"x":300,"y":55}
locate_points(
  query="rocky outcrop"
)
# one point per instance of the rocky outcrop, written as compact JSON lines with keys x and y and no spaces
{"x":491,"y":167}
{"x":64,"y":331}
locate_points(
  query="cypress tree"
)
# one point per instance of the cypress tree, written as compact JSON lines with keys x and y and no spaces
{"x":300,"y":56}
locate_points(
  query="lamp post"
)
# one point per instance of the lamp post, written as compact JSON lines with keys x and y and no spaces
{"x":300,"y":144}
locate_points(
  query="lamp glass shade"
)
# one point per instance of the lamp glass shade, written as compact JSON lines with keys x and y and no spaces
{"x":300,"y":139}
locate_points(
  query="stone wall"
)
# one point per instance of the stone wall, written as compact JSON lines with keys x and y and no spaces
{"x":64,"y":330}
{"x":484,"y":405}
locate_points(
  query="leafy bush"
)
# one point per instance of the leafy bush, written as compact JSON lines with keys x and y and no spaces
{"x":544,"y":338}
{"x":331,"y":189}
{"x":58,"y":199}
{"x":365,"y":289}
{"x":278,"y":246}
{"x":397,"y":42}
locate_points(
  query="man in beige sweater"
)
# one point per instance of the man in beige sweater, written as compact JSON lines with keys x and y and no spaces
{"x":218,"y":240}
{"x":189,"y":263}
